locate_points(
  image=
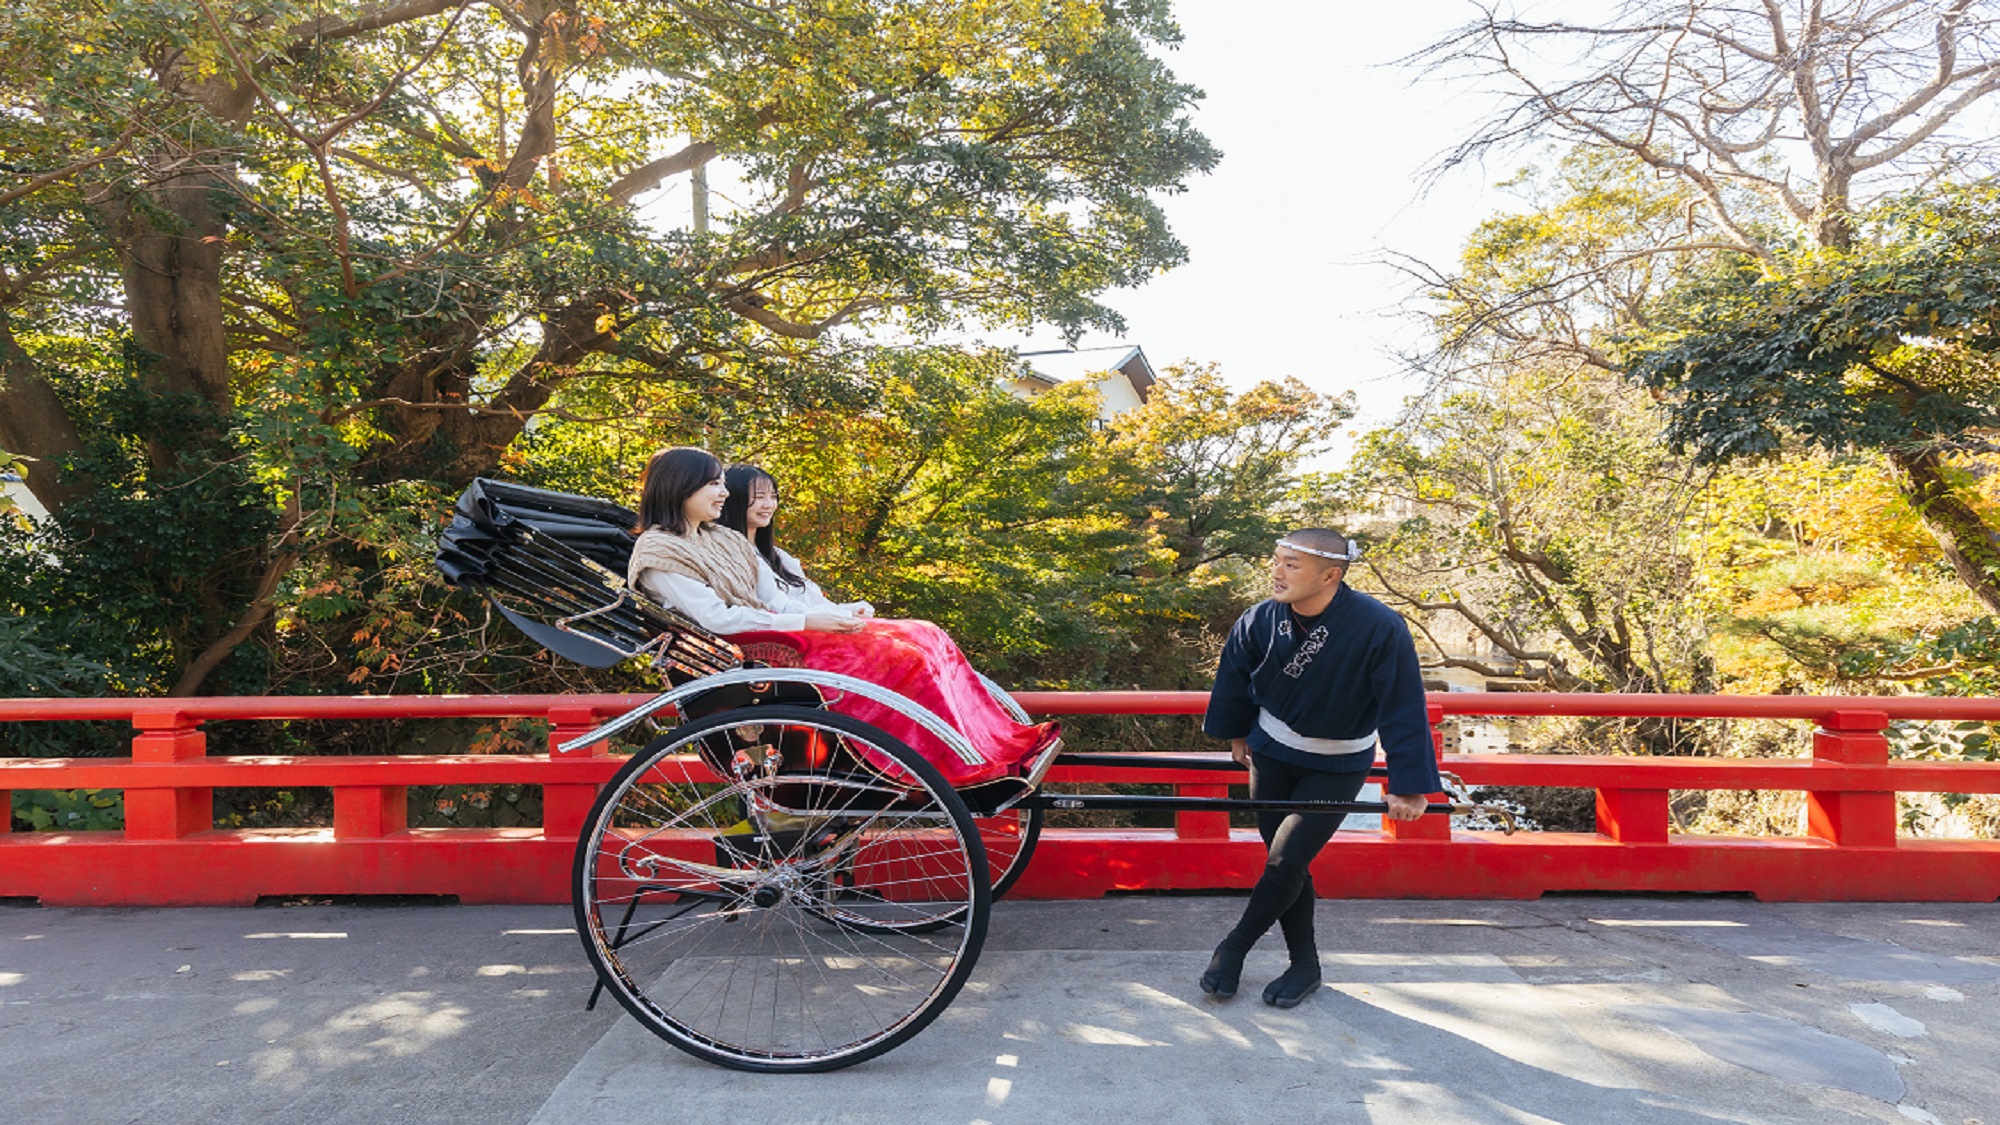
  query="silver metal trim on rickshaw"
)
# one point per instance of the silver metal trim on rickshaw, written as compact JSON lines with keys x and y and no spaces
{"x":909,"y":708}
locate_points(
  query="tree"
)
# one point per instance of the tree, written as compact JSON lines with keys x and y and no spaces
{"x":1802,"y":113}
{"x":280,"y":261}
{"x":1219,"y":469}
{"x":1058,"y":545}
{"x":1037,"y":534}
{"x":1597,"y":245}
{"x":1893,"y":345}
{"x":1539,"y":515}
{"x":1787,"y":124}
{"x":1818,"y":578}
{"x":954,"y":500}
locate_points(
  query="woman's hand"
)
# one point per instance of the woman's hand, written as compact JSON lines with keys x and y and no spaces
{"x":1407,"y":806}
{"x":833,"y":623}
{"x":1239,"y":749}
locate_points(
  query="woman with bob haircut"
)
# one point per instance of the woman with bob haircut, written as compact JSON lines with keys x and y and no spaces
{"x":686,"y":560}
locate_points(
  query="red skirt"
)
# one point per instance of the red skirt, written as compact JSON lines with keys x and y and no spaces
{"x":919,"y":661}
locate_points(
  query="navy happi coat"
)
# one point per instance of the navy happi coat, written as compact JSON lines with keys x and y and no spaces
{"x":1351,"y":673}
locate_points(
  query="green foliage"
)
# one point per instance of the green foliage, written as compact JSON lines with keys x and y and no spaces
{"x":1219,"y":469}
{"x":1962,"y":659}
{"x":30,"y":666}
{"x":126,"y":583}
{"x":12,"y":467}
{"x":475,"y":806}
{"x":1539,"y":516}
{"x":70,"y":810}
{"x":1533,"y":526}
{"x":1060,"y":550}
{"x":1054,"y":547}
{"x":1818,"y":577}
{"x":271,"y":808}
{"x":295,"y":276}
{"x":1965,"y":741}
{"x":1887,"y":345}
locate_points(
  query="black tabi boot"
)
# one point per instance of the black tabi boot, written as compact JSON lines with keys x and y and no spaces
{"x":1293,"y":985}
{"x":1225,"y":969}
{"x":1299,"y":981}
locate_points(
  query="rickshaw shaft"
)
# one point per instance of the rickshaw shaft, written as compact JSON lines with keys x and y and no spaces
{"x":1134,"y":802}
{"x":1217,"y":762}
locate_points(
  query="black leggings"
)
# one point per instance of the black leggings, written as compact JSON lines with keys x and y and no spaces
{"x":1284,"y":892}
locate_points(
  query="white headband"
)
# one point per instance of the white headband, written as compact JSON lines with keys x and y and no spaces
{"x":1353,"y":552}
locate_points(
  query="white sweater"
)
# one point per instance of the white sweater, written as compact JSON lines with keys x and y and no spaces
{"x":789,"y":606}
{"x":812,"y":596}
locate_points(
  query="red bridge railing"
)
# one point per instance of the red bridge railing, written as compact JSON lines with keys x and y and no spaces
{"x":170,"y":852}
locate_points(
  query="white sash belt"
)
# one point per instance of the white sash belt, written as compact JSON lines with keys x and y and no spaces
{"x":1276,"y":728}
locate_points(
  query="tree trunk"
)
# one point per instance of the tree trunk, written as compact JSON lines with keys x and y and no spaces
{"x":34,"y":423}
{"x":1833,"y":219}
{"x":455,"y":446}
{"x":170,"y":234}
{"x":1969,"y":544}
{"x":172,"y":242}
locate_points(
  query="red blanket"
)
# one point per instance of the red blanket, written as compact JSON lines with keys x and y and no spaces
{"x":919,"y":661}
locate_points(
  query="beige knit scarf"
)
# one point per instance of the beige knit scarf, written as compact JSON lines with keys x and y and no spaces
{"x":711,"y":554}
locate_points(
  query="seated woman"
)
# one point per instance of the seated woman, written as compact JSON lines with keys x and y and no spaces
{"x":751,"y":511}
{"x":686,"y":561}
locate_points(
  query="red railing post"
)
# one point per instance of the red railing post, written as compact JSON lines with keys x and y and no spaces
{"x":167,"y":812}
{"x":1856,"y":819}
{"x":1425,"y":827}
{"x":1633,"y":816}
{"x":1201,"y":825}
{"x":361,"y":811}
{"x":566,"y":807}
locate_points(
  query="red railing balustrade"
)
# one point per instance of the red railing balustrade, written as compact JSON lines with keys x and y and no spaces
{"x":170,"y":853}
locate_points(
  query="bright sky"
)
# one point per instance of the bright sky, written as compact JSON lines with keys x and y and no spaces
{"x":1324,"y":140}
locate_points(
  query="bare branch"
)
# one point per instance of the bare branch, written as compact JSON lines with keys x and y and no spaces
{"x":388,"y":15}
{"x":649,"y":176}
{"x":1719,"y":95}
{"x":1931,"y":125}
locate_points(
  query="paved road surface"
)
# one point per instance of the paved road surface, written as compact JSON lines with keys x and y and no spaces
{"x":1583,"y":1011}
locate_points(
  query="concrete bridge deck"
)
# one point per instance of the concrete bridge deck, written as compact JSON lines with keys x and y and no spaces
{"x":1584,"y":1011}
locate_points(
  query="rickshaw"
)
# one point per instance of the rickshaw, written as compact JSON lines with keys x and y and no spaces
{"x":769,"y":884}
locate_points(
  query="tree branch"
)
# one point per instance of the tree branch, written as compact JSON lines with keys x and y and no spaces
{"x":285,"y":556}
{"x":333,"y":27}
{"x":331,"y":190}
{"x":47,"y":178}
{"x":648,"y":176}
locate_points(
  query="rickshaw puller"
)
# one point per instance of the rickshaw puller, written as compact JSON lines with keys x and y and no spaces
{"x":1310,"y":682}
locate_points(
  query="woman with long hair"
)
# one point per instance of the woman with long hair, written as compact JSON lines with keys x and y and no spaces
{"x":686,"y":560}
{"x":751,"y":511}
